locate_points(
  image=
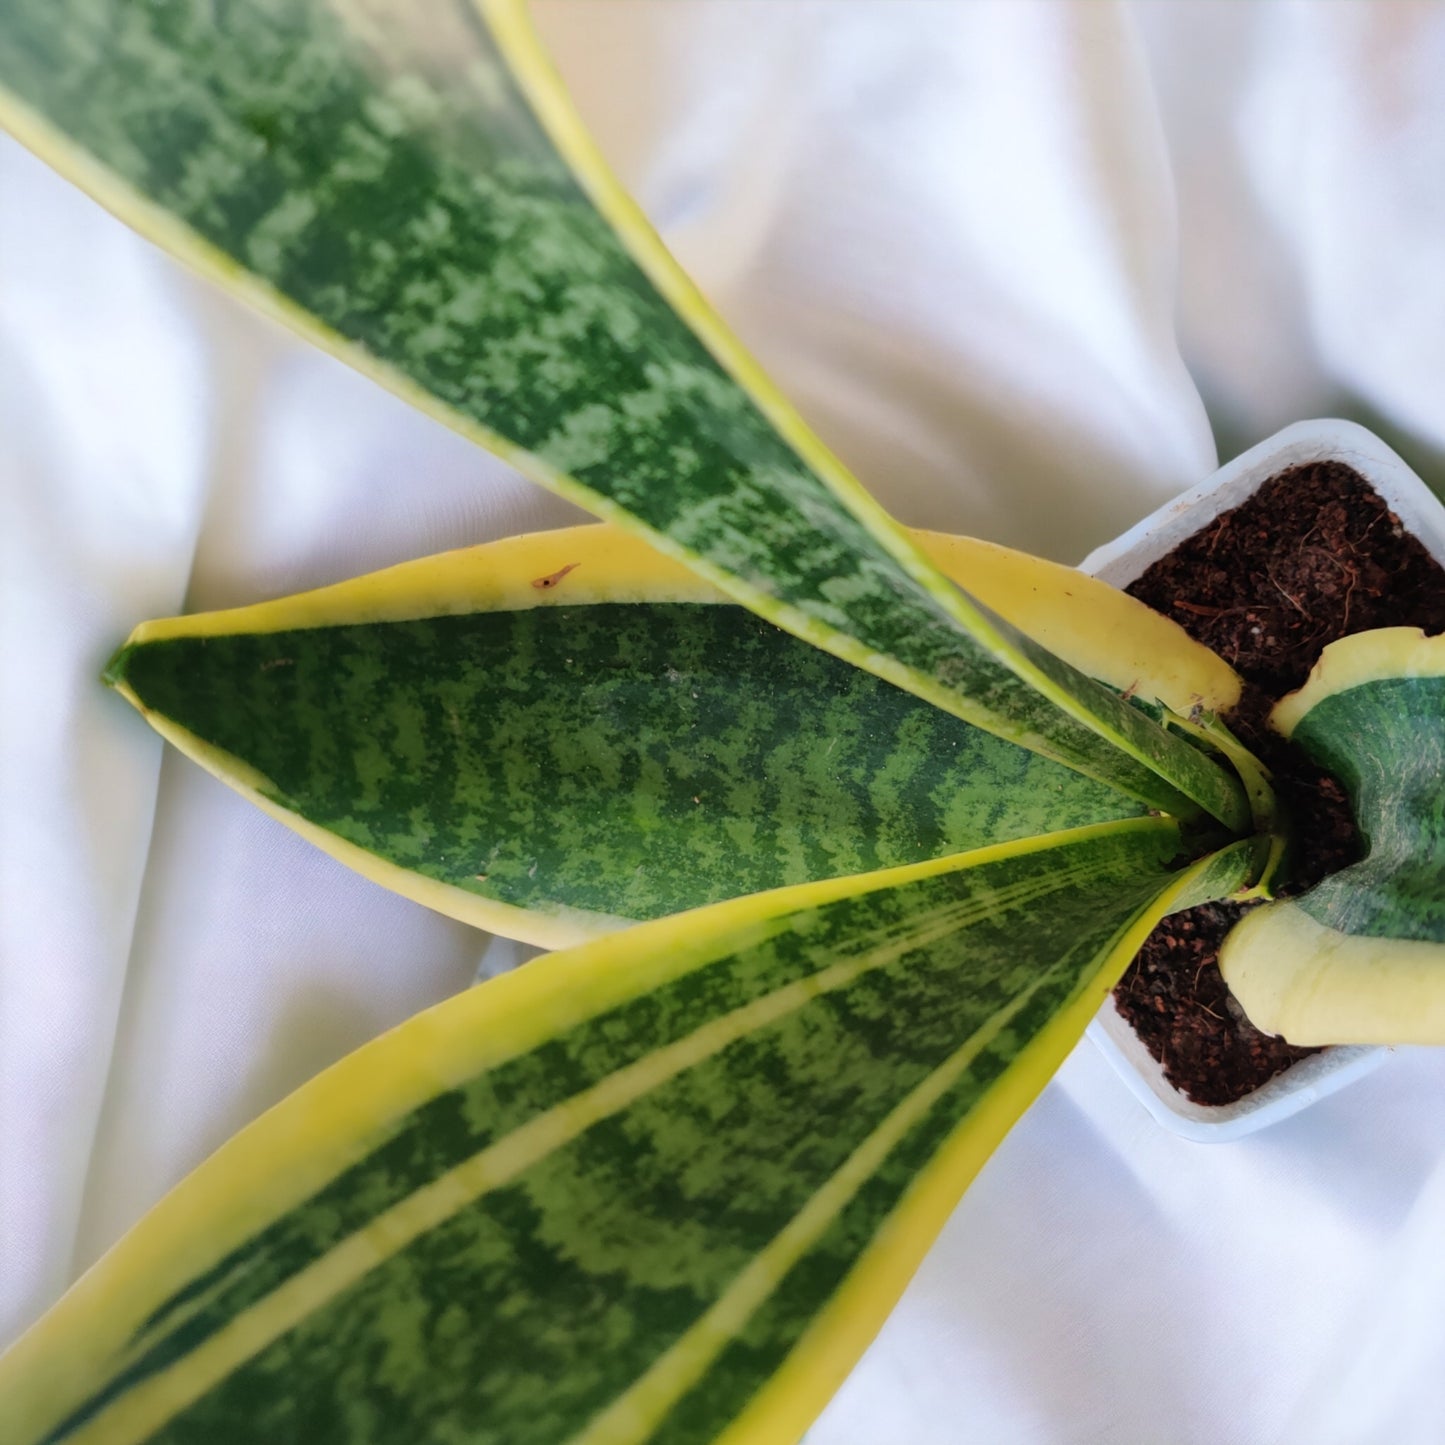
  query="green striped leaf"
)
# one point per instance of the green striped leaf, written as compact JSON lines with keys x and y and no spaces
{"x":504,"y":738}
{"x":659,"y":1188}
{"x":1359,"y":958}
{"x":406,"y":185}
{"x":1373,"y":714}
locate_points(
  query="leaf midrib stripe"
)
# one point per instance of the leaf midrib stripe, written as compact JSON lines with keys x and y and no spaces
{"x":151,"y":1352}
{"x":142,"y":1410}
{"x":1000,"y":900}
{"x":636,"y":1413}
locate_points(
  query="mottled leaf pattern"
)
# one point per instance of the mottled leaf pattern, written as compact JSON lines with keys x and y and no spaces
{"x":659,"y":1163}
{"x":1358,"y":959}
{"x":373,"y":171}
{"x":626,"y":760}
{"x":657,"y":1188}
{"x":1385,"y":741}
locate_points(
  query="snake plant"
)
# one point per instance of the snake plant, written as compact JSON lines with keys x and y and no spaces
{"x":843,"y":832}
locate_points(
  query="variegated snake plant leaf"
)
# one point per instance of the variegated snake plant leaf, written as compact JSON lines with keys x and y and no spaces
{"x":662,"y":1186}
{"x":1360,"y":958}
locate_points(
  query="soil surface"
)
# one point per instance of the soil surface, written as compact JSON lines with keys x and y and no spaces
{"x":1313,"y":556}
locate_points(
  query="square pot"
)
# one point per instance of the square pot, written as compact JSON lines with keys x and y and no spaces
{"x":1124,"y":560}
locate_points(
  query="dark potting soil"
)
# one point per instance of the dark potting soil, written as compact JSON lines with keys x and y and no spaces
{"x":1313,"y":556}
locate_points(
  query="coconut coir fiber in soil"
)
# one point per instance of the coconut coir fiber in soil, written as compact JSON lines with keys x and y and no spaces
{"x":1313,"y":556}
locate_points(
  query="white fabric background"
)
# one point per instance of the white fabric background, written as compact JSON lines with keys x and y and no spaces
{"x":1025,"y":266}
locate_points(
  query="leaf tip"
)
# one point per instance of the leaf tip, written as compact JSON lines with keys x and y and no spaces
{"x":114,"y":673}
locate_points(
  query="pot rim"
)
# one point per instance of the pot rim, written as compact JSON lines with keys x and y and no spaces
{"x":1119,"y":563}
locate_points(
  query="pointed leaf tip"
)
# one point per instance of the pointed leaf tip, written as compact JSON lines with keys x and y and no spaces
{"x":115,"y":670}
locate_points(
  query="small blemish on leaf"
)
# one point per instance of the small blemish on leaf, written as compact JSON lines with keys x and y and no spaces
{"x":278,"y":662}
{"x":553,"y":578}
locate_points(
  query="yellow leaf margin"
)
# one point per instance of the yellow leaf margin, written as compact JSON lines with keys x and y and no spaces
{"x":1099,"y":630}
{"x":308,"y":1138}
{"x":1313,"y":984}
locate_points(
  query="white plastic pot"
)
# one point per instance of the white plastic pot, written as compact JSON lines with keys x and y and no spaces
{"x":1121,"y":562}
